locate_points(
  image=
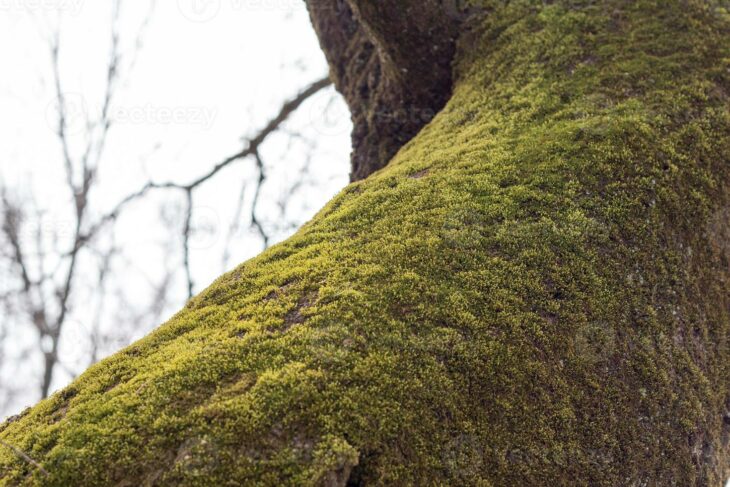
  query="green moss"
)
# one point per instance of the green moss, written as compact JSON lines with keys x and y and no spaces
{"x":533,"y":292}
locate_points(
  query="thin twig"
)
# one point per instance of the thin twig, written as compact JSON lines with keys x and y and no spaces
{"x":186,"y":240}
{"x":234,"y":226}
{"x":21,"y":454}
{"x":259,"y":184}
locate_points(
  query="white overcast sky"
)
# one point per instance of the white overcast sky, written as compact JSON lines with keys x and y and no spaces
{"x":209,"y":73}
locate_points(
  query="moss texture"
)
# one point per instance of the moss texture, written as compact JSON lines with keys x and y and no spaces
{"x":533,"y":292}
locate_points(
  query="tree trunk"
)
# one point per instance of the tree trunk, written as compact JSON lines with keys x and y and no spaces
{"x":534,"y":291}
{"x":392,"y":62}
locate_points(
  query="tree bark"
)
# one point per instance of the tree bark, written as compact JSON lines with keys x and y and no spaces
{"x":534,"y":291}
{"x":392,"y":62}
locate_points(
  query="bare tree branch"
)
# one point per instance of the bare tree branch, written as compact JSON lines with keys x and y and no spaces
{"x":259,"y":183}
{"x":104,"y":270}
{"x":186,"y":240}
{"x":86,"y":167}
{"x":46,"y":288}
{"x":253,"y":144}
{"x":62,"y":109}
{"x":250,"y":149}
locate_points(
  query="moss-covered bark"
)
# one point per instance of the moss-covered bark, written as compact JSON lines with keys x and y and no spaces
{"x":533,"y":292}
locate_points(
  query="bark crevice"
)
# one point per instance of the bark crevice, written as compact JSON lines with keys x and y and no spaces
{"x":391,"y":60}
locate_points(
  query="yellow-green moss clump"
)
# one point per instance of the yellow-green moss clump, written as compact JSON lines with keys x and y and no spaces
{"x":533,"y":292}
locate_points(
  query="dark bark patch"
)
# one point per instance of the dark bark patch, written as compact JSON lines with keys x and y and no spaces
{"x":419,"y":174}
{"x":297,"y":315}
{"x":278,"y":292}
{"x":391,"y":60}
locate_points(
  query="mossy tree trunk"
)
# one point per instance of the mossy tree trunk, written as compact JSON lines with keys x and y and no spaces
{"x":534,"y":291}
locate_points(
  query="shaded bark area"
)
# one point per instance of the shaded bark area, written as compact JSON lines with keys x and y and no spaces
{"x":391,"y":60}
